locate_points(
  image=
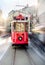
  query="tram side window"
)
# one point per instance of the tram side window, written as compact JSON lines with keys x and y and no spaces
{"x":26,"y":26}
{"x":14,"y":18}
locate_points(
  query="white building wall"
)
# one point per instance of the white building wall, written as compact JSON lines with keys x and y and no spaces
{"x":41,"y":6}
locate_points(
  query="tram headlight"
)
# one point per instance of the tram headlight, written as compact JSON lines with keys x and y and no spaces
{"x":20,"y":38}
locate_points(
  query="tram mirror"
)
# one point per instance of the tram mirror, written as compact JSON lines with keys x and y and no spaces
{"x":26,"y":18}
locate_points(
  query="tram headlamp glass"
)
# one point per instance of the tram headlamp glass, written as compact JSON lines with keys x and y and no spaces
{"x":20,"y":38}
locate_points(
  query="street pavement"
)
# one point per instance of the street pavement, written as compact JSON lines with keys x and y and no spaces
{"x":19,"y":56}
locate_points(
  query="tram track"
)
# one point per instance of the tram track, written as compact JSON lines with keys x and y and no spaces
{"x":18,"y":57}
{"x":14,"y":56}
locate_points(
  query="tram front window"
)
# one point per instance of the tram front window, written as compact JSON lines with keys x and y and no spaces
{"x":19,"y":27}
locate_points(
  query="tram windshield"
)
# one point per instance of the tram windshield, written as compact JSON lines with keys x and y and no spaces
{"x":20,"y":27}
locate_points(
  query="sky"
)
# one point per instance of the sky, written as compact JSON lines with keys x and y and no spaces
{"x":7,"y":5}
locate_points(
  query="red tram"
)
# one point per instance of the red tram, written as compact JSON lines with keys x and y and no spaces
{"x":19,"y":30}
